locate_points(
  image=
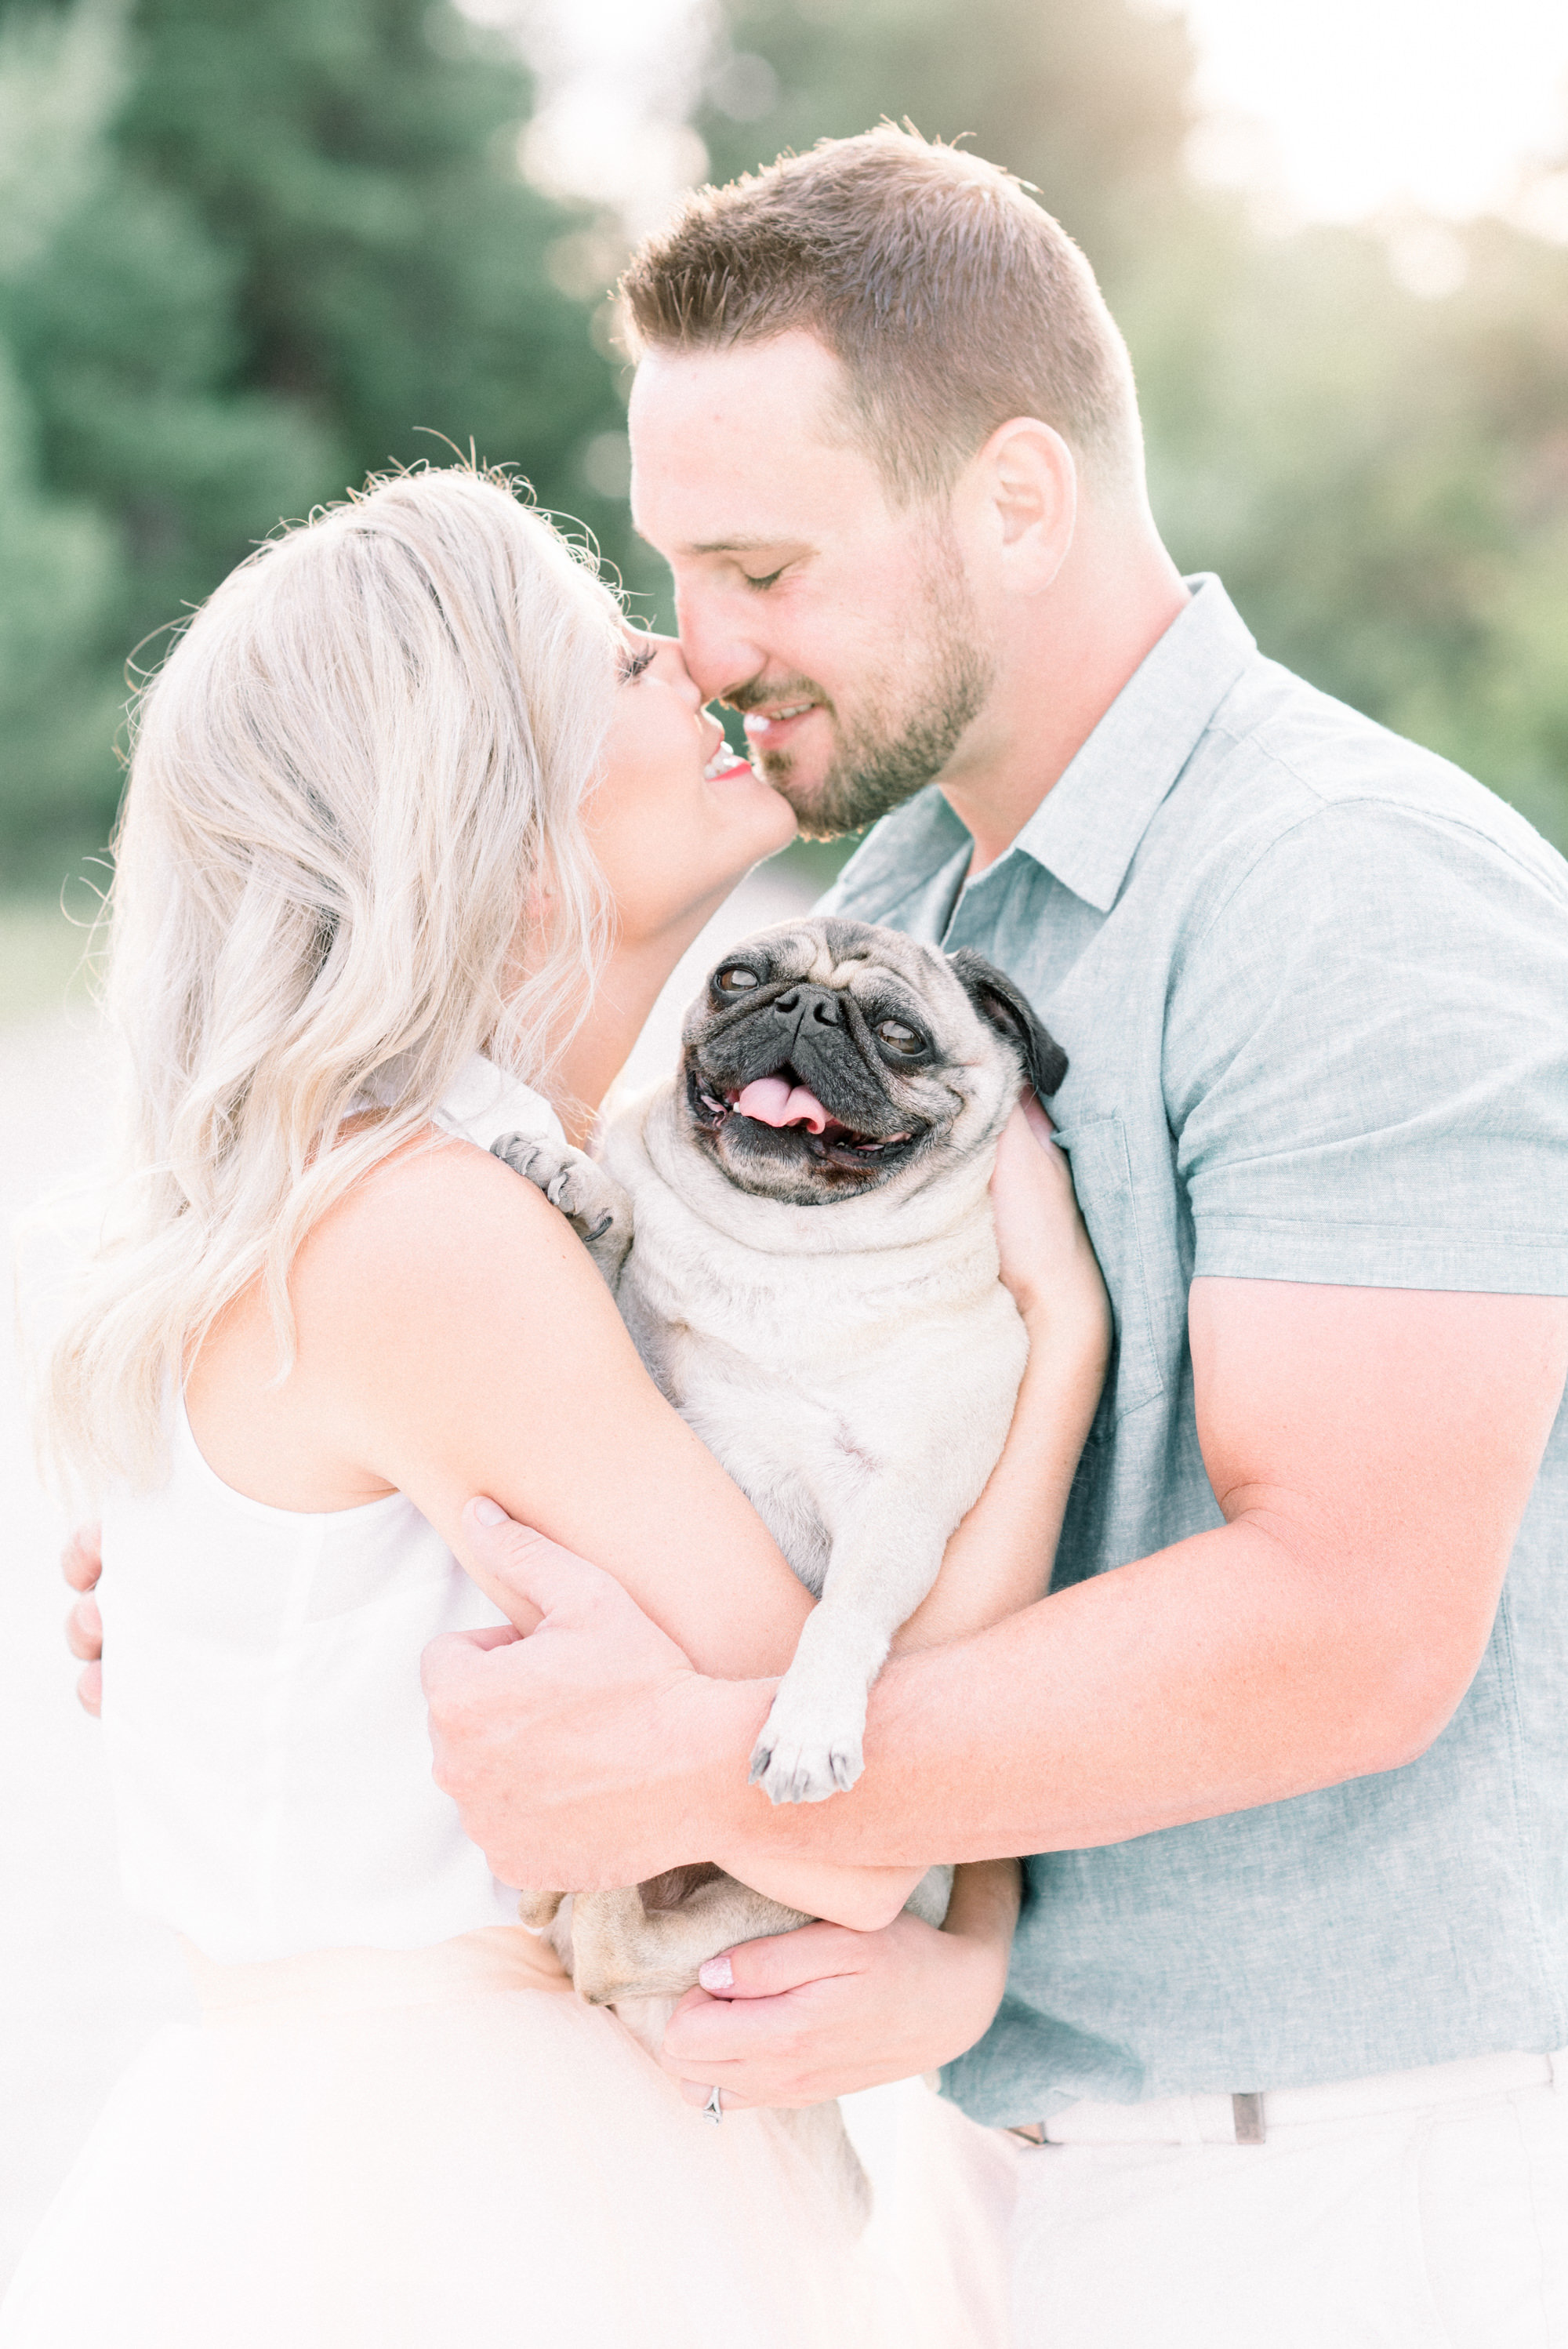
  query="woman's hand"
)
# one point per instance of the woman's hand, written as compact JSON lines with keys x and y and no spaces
{"x":1047,"y":1260}
{"x":800,"y":2017}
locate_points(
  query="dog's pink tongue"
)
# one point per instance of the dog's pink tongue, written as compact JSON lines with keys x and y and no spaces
{"x":773,"y":1102}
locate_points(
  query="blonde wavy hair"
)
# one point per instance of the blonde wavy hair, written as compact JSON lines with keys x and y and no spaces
{"x":356,"y":779}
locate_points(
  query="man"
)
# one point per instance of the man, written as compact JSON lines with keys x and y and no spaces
{"x":1289,"y":1737}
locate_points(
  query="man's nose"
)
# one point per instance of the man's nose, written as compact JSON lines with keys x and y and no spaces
{"x":719,"y":653}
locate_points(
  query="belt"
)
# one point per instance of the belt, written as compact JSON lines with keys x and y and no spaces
{"x":1250,"y":2118}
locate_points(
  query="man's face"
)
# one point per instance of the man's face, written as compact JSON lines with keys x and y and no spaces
{"x":842,"y":624}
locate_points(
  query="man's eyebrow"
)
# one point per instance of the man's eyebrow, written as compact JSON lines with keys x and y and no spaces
{"x":734,"y":545}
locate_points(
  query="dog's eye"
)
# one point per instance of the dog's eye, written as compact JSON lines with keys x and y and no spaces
{"x":734,"y":978}
{"x":898,"y":1038}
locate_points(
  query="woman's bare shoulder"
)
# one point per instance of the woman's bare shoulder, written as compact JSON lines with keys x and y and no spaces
{"x":440,"y":1290}
{"x":440,"y":1227}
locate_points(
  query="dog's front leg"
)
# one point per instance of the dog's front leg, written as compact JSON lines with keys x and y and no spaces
{"x":886,"y":1551}
{"x":592,"y":1201}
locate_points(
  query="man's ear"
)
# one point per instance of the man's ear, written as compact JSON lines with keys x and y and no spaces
{"x":1028,"y":476}
{"x":1005,"y":1007}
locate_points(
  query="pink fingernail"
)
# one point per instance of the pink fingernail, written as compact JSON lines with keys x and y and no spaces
{"x":488,"y":1513}
{"x":717,"y":1974}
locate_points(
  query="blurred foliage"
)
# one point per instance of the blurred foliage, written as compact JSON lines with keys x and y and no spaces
{"x":250,"y":250}
{"x":249,"y":247}
{"x":1382,"y":480}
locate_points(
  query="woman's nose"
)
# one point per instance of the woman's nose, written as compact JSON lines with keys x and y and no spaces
{"x":673,"y":666}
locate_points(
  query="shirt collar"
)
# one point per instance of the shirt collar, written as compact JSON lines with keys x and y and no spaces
{"x":1087,"y":827}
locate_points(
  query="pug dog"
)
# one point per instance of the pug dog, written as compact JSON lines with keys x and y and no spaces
{"x":797,"y":1232}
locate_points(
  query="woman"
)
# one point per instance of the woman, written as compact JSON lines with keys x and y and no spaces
{"x":412,"y":816}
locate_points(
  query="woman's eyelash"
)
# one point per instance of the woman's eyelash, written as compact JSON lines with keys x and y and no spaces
{"x":772,"y":579}
{"x":634,"y":663}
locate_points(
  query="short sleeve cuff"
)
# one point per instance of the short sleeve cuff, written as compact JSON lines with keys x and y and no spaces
{"x":1382,"y":1255}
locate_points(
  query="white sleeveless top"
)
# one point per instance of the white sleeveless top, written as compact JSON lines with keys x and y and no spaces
{"x":262,"y":1716}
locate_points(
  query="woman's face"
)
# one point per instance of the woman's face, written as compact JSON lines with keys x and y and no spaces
{"x":676,"y":818}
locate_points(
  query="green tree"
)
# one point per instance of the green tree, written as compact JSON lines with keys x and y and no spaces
{"x":59,"y":583}
{"x":356,"y":161}
{"x":295,"y":235}
{"x":60,"y":575}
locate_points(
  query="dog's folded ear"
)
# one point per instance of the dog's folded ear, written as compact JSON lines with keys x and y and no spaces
{"x":1007,"y":1008}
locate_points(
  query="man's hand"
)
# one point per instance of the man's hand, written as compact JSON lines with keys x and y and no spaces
{"x":81,"y":1563}
{"x":534,"y":1736}
{"x":800,"y":2017}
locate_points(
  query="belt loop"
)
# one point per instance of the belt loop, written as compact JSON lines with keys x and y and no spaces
{"x":1558,"y":2059}
{"x":1247,"y":2112}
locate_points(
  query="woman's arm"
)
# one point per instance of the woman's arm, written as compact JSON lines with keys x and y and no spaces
{"x":1000,"y":1558}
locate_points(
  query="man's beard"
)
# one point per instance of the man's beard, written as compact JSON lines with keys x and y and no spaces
{"x":885,"y":756}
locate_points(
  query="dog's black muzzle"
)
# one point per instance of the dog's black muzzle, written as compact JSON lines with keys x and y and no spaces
{"x":806,"y":1029}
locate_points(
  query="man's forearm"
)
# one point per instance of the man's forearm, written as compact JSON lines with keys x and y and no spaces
{"x":1223,"y":1672}
{"x":1374,"y":1453}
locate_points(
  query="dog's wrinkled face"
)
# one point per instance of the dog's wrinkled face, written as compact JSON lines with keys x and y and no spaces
{"x":826,"y":1058}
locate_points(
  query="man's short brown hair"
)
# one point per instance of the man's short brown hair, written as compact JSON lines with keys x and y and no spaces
{"x":951,"y":300}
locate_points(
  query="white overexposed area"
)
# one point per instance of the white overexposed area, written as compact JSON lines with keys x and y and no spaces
{"x":1349,"y":110}
{"x":82,"y":1982}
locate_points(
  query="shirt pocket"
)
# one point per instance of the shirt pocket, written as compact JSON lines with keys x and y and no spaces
{"x":1102,"y":1177}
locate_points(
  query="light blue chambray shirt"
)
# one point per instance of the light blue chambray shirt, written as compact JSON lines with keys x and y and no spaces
{"x":1314,"y":983}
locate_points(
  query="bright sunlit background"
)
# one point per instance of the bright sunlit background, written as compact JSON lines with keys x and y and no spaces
{"x":1349,"y":108}
{"x":1341,"y":111}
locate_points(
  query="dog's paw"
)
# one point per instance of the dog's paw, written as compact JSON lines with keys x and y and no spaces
{"x":569,"y":1180}
{"x":795,"y":1761}
{"x":810,"y":1743}
{"x":537,"y":1162}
